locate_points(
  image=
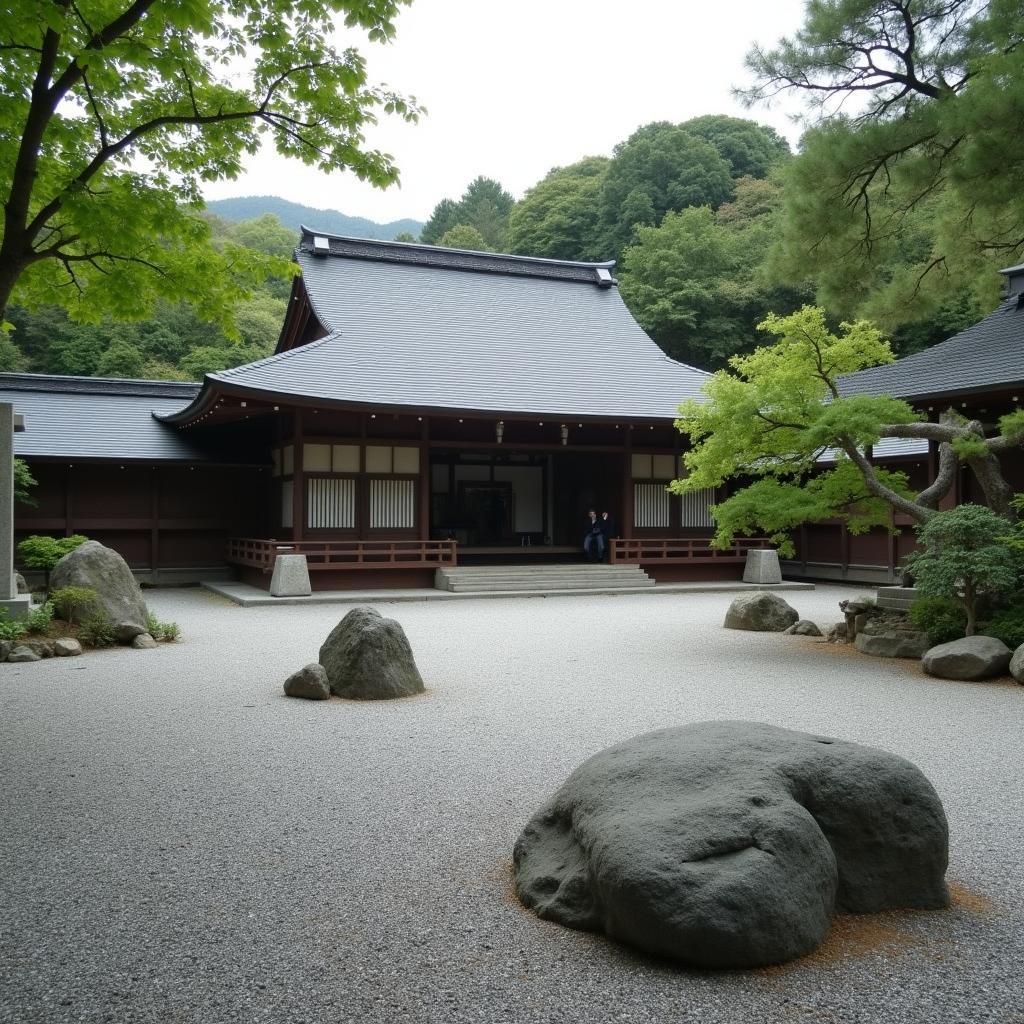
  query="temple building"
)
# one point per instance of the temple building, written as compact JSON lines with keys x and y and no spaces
{"x":424,"y":406}
{"x":427,"y":407}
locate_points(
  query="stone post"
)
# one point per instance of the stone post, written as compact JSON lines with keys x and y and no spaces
{"x":762,"y":566}
{"x":17,"y":605}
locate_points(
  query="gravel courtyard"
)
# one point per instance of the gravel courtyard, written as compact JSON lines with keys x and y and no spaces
{"x":180,"y":842}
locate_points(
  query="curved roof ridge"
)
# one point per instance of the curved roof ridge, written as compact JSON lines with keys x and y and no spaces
{"x":424,"y":247}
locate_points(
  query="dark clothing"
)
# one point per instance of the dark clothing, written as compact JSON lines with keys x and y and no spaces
{"x":609,"y":528}
{"x":594,"y":542}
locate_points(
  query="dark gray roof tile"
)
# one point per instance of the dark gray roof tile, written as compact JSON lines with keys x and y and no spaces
{"x":95,"y":418}
{"x":987,"y":356}
{"x":428,"y":334}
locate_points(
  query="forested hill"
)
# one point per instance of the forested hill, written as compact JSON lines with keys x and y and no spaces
{"x":292,"y":215}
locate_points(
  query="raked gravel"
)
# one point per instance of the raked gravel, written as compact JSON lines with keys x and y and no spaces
{"x":180,"y":842}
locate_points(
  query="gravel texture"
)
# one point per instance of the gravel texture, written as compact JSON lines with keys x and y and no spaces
{"x":181,"y":842}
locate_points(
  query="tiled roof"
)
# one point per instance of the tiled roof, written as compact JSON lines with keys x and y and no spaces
{"x":987,"y":356}
{"x":439,"y":329}
{"x":96,"y":418}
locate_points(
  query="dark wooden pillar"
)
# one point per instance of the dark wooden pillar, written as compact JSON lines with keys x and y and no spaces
{"x":298,"y":476}
{"x":68,"y":501}
{"x":154,"y":525}
{"x":626,"y":519}
{"x":425,"y":482}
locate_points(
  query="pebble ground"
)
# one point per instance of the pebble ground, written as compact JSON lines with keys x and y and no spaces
{"x":179,"y":842}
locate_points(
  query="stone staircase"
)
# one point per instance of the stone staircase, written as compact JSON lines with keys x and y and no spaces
{"x":896,"y":599}
{"x":546,"y":579}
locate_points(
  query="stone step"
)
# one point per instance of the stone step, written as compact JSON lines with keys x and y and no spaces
{"x":526,"y":570}
{"x":553,"y":578}
{"x":506,"y":586}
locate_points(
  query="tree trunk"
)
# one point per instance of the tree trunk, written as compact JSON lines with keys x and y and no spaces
{"x":998,"y":493}
{"x":970,"y":606}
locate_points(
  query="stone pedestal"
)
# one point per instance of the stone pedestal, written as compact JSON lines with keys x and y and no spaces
{"x":17,"y":605}
{"x":762,"y":566}
{"x":291,"y":577}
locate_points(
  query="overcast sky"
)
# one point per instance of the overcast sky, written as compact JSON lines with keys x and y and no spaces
{"x":514,"y":89}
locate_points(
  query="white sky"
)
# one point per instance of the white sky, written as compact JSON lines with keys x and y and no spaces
{"x":516,"y":88}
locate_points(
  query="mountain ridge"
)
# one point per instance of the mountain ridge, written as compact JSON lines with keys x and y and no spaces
{"x":293,"y":215}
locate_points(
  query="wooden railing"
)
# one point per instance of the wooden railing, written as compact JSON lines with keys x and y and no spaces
{"x":345,"y":554}
{"x":681,"y":550}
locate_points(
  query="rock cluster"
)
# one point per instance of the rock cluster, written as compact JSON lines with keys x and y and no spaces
{"x":731,"y":844}
{"x":365,"y":657}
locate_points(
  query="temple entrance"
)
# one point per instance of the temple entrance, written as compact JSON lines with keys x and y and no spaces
{"x":509,"y":500}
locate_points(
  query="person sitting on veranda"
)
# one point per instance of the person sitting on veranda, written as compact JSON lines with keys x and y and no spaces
{"x":609,"y":530}
{"x":593,"y":537}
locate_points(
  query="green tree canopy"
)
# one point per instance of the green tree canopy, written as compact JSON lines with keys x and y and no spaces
{"x":485,"y":206}
{"x":909,"y":190}
{"x":464,"y":236}
{"x":751,"y":149}
{"x":443,"y":218}
{"x":115,"y":113}
{"x":660,"y":167}
{"x":557,"y":218}
{"x":769,"y":420}
{"x":695,"y":282}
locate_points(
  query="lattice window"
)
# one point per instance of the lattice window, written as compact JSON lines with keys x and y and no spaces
{"x":330,"y":503}
{"x":392,"y":504}
{"x":696,"y":509}
{"x":650,"y":505}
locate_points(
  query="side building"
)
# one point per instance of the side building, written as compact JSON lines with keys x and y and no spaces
{"x":424,"y":407}
{"x":979,"y":373}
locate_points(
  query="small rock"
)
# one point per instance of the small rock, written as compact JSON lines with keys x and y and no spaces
{"x":5,"y":648}
{"x":19,"y":582}
{"x":893,"y":643}
{"x":836,"y":634}
{"x":1017,"y":664}
{"x":969,"y":659}
{"x":310,"y":682}
{"x":67,"y":647}
{"x":143,"y":642}
{"x":126,"y":632}
{"x":760,"y":612}
{"x":23,"y":653}
{"x":44,"y":648}
{"x":803,"y":628}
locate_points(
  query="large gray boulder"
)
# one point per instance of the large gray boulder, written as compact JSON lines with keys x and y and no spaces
{"x":765,"y":613}
{"x":367,"y":657}
{"x":731,"y":844}
{"x":971,"y":658}
{"x":893,"y":643}
{"x":117,"y":591}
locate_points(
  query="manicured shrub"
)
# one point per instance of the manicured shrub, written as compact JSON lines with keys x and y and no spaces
{"x":43,"y":553}
{"x":942,"y":618}
{"x":74,"y":603}
{"x":158,"y":630}
{"x":965,"y":556}
{"x":38,"y":620}
{"x":1008,"y":626}
{"x":10,"y":631}
{"x":96,"y":630}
